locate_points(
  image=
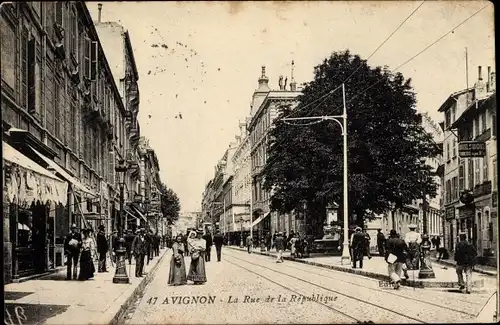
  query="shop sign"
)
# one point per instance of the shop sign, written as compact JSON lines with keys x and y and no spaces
{"x":469,"y":149}
{"x":450,"y":213}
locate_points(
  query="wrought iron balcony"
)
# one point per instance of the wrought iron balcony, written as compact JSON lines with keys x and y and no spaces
{"x":482,"y":189}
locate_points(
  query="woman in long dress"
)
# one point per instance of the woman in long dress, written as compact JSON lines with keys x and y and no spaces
{"x":87,"y":268}
{"x":177,"y":275}
{"x":197,"y":246}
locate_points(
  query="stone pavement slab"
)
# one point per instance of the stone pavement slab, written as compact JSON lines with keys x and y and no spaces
{"x":54,"y":300}
{"x":376,"y":267}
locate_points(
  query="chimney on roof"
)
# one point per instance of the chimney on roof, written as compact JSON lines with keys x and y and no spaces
{"x":99,"y":7}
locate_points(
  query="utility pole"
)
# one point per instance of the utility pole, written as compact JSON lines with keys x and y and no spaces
{"x":346,"y":258}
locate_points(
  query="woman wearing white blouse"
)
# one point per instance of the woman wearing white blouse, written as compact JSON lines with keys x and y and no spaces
{"x":87,"y":268}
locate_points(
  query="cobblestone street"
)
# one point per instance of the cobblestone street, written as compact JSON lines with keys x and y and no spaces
{"x":245,"y":288}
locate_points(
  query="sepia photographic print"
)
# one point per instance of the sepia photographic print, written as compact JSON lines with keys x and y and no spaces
{"x":249,"y":162}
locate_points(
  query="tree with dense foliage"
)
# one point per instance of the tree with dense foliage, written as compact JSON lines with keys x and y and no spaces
{"x":170,"y":204}
{"x":386,"y":143}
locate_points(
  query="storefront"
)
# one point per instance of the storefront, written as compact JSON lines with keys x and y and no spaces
{"x":31,"y":194}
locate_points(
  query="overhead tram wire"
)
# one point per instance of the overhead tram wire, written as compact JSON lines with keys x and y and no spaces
{"x":373,"y":53}
{"x":419,"y":53}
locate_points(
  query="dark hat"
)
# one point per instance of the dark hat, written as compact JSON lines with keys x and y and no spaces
{"x":393,"y":233}
{"x":101,"y":227}
{"x":199,"y":230}
{"x":357,"y":229}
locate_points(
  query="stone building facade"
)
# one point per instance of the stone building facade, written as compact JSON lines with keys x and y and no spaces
{"x":58,"y":91}
{"x":264,"y":109}
{"x":478,"y":175}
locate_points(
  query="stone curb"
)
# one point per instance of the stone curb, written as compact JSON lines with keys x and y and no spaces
{"x":477,"y":270}
{"x":137,"y":291}
{"x":373,"y":275}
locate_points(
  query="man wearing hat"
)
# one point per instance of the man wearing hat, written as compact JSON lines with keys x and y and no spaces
{"x":102,"y":249}
{"x":413,"y":240}
{"x":140,"y":250}
{"x":280,"y":246}
{"x":465,"y":256}
{"x":129,"y":239}
{"x":396,"y":251}
{"x":72,"y":245}
{"x":358,"y":247}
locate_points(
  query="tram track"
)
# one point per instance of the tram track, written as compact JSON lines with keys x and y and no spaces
{"x":390,"y":292}
{"x":411,"y":301}
{"x":346,"y":297}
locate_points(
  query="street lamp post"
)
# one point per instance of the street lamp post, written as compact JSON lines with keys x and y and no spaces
{"x":346,"y":259}
{"x":304,"y":206}
{"x":121,"y":270}
{"x":241,"y":236}
{"x":425,"y":271}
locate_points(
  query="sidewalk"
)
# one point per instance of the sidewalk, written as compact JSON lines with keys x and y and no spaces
{"x":377,"y":268}
{"x":484,"y":269}
{"x":54,"y":300}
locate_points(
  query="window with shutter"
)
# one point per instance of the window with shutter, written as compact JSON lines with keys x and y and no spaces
{"x":483,"y":123}
{"x":73,"y":31}
{"x":86,"y":61}
{"x":461,"y":177}
{"x":59,"y":13}
{"x":454,"y":185}
{"x":471,"y":174}
{"x":49,"y":98}
{"x":485,"y":166}
{"x":494,"y":125}
{"x":477,"y":176}
{"x":73,"y":126}
{"x":31,"y":75}
{"x":57,"y":109}
{"x":94,"y":72}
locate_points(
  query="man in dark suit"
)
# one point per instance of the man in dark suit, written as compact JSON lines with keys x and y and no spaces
{"x":396,"y":252}
{"x":149,"y":245}
{"x":102,"y":248}
{"x":129,"y":239}
{"x":157,"y":245}
{"x":218,"y":241}
{"x":209,"y":243}
{"x":139,"y":247}
{"x":72,"y":245}
{"x":358,"y":245}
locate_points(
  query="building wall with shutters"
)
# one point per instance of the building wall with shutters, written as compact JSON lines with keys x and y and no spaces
{"x":59,"y":87}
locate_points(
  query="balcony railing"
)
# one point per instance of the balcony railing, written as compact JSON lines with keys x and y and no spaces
{"x":482,"y":189}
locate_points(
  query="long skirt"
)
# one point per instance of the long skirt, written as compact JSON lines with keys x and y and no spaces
{"x":197,"y":270}
{"x":413,"y":259}
{"x":177,"y":274}
{"x":87,"y":267}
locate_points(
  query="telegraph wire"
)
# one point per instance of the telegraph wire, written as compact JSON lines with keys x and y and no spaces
{"x":422,"y":51}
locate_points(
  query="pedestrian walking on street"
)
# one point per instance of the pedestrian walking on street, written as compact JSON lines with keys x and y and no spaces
{"x":140,"y":250}
{"x":438,"y":243}
{"x":268,"y":241}
{"x":102,"y":249}
{"x":273,"y":245}
{"x":280,"y":246}
{"x":465,"y":256}
{"x":381,"y":242}
{"x":177,"y":275}
{"x":413,"y":240}
{"x":358,"y":246}
{"x":87,"y":268}
{"x":218,"y":241}
{"x":293,"y":247}
{"x":208,"y":248}
{"x":129,"y":239}
{"x":249,"y":243}
{"x":197,"y":246}
{"x":72,"y":245}
{"x":149,"y":245}
{"x":395,"y":255}
{"x":367,"y":243}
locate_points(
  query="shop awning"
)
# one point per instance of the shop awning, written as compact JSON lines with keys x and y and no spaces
{"x":77,"y":184}
{"x":259,"y":219}
{"x":34,"y":182}
{"x":130,"y":214}
{"x":139,"y":213}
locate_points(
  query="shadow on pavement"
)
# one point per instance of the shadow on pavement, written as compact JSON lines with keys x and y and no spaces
{"x":28,"y":314}
{"x":15,"y":295}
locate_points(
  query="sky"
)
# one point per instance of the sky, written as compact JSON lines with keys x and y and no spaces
{"x":201,"y":61}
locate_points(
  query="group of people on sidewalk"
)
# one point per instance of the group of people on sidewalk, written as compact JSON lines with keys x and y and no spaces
{"x":403,"y":255}
{"x":81,"y":249}
{"x":198,"y":247}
